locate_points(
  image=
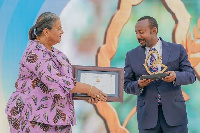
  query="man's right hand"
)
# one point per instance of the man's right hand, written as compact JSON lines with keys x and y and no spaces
{"x":144,"y":82}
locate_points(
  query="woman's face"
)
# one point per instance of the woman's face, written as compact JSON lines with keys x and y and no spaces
{"x":54,"y":35}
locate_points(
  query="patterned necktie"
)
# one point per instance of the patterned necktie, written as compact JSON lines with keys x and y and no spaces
{"x":152,"y":59}
{"x":154,"y":69}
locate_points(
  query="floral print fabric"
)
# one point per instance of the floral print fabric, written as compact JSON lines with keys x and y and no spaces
{"x":37,"y":127}
{"x":42,"y":88}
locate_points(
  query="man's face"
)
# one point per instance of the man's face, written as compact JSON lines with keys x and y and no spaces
{"x":144,"y":34}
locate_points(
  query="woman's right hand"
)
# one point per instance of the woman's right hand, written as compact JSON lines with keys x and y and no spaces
{"x":92,"y":100}
{"x":97,"y":94}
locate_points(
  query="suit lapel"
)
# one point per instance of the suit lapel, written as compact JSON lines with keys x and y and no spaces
{"x":165,"y":52}
{"x":141,"y":55}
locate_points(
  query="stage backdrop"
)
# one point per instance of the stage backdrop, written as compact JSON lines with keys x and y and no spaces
{"x":85,"y":24}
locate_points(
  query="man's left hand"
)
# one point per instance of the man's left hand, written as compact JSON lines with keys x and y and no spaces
{"x":171,"y":77}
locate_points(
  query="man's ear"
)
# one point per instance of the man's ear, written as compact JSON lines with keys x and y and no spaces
{"x":154,"y":30}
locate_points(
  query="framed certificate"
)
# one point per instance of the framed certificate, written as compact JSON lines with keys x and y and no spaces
{"x":108,"y":79}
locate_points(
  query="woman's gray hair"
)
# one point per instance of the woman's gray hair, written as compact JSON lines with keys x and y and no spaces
{"x":45,"y":20}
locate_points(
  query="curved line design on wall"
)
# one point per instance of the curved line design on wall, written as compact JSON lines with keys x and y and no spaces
{"x":108,"y":50}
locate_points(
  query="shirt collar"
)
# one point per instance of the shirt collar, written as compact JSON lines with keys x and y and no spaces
{"x":157,"y":46}
{"x":41,"y":46}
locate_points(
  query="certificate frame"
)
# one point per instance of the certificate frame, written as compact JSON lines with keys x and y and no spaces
{"x":117,"y":74}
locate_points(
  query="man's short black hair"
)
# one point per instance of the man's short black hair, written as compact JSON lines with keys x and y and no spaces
{"x":152,"y":21}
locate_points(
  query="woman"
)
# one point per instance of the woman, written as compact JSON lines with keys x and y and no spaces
{"x":43,"y":101}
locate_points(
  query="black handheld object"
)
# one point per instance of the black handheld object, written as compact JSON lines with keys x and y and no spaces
{"x":154,"y":76}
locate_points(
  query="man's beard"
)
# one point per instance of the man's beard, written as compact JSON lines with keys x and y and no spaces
{"x":144,"y":41}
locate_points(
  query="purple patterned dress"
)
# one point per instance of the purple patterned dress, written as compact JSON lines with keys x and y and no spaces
{"x":42,"y":99}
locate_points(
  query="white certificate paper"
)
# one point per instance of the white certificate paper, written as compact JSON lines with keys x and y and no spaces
{"x":104,"y":82}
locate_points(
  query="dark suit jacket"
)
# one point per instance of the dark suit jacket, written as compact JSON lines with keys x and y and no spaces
{"x":173,"y":105}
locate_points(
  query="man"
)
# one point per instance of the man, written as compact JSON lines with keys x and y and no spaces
{"x":160,"y":104}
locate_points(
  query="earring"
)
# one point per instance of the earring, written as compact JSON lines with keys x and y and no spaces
{"x":47,"y":35}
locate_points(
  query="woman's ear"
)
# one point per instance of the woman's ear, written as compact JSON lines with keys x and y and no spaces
{"x":46,"y":32}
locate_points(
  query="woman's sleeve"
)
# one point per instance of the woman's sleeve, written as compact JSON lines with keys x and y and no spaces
{"x":43,"y":65}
